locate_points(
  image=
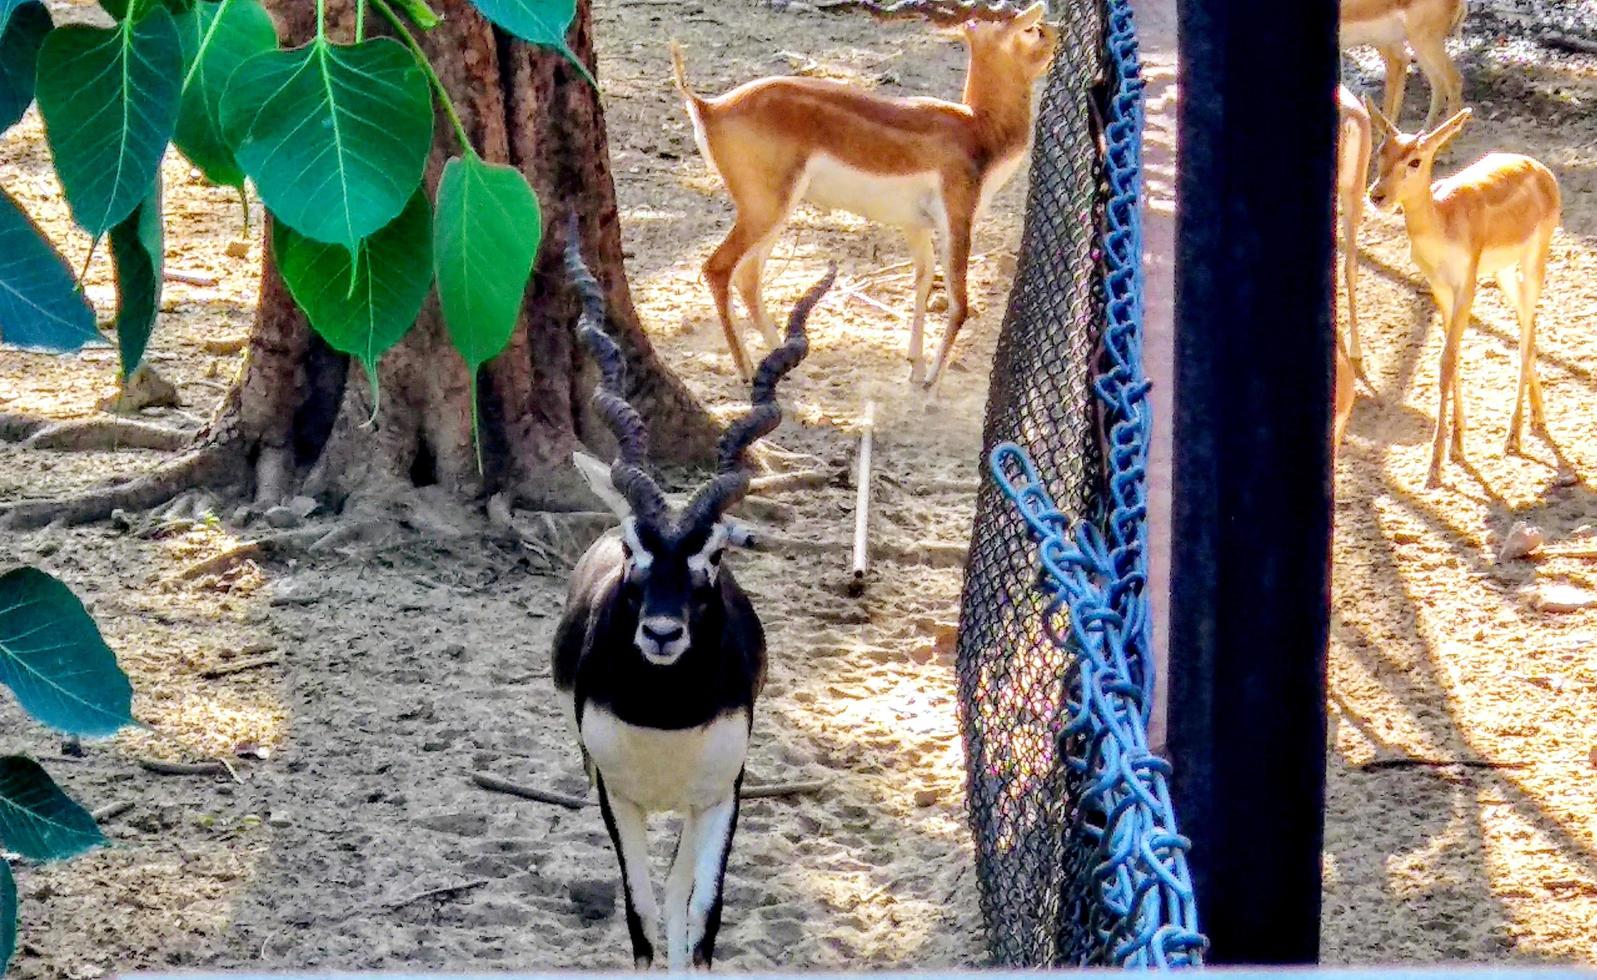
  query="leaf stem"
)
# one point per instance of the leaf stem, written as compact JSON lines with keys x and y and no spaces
{"x":205,"y":42}
{"x":321,"y":20}
{"x":360,"y":21}
{"x":432,"y":76}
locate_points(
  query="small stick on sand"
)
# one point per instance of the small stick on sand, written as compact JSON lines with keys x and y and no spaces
{"x":862,"y":501}
{"x":778,"y":482}
{"x":188,"y":278}
{"x":215,"y":767}
{"x":111,"y":811}
{"x":771,"y":791}
{"x":448,"y":891}
{"x":491,"y":782}
{"x":239,"y":667}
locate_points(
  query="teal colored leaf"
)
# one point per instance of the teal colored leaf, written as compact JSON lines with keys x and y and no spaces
{"x":335,"y":136}
{"x":485,"y":236}
{"x":118,"y":9}
{"x":22,"y":33}
{"x":109,"y":99}
{"x":138,"y":254}
{"x":541,"y":22}
{"x":8,"y":7}
{"x":38,"y":820}
{"x":54,"y":660}
{"x":216,"y":39}
{"x":366,"y":310}
{"x":8,"y":915}
{"x":40,"y":306}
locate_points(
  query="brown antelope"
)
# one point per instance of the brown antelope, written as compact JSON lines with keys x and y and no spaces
{"x":1493,"y":218}
{"x":927,"y":166}
{"x":1352,"y":170}
{"x":1392,"y":27}
{"x":1342,"y":405}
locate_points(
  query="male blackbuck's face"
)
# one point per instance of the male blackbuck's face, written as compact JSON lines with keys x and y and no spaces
{"x":1024,"y":40}
{"x":1403,"y":163}
{"x":672,"y":580}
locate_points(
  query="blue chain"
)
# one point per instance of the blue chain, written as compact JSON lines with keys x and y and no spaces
{"x":1148,"y":916}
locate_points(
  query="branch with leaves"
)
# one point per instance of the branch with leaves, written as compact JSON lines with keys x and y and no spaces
{"x":334,"y":137}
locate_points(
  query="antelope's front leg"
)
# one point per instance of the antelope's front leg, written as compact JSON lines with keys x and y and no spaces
{"x":626,"y":822}
{"x":713,"y":844}
{"x":678,"y":889}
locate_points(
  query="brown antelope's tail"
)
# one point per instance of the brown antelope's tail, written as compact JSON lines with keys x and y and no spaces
{"x":679,"y":68}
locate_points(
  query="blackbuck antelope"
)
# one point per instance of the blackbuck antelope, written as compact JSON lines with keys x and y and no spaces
{"x":662,"y":655}
{"x":1392,"y":27}
{"x":1493,"y":218}
{"x":926,"y":166}
{"x":1354,"y":145}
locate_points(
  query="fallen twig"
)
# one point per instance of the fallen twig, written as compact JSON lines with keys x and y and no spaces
{"x":1567,"y":42}
{"x":771,"y":791}
{"x":290,"y":540}
{"x":862,"y":502}
{"x":1408,"y":762}
{"x":489,"y":781}
{"x":448,"y":891}
{"x":214,"y":767}
{"x":778,"y":482}
{"x":936,"y":554}
{"x":188,"y":278}
{"x":239,"y":667}
{"x":111,"y":811}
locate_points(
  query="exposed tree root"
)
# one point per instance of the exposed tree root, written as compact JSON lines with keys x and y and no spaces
{"x":16,"y":428}
{"x":100,"y":434}
{"x":205,"y":465}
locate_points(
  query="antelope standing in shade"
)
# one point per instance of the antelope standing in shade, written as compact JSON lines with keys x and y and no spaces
{"x":661,"y":654}
{"x":1392,"y":27}
{"x":926,"y":166}
{"x":1495,"y":217}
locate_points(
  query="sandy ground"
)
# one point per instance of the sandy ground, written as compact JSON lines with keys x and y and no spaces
{"x":403,"y":668}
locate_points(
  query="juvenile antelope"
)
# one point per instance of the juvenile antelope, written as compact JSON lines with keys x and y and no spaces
{"x":661,"y":653}
{"x":926,"y":166}
{"x":1394,"y":26}
{"x":1493,"y":218}
{"x":1352,"y":170}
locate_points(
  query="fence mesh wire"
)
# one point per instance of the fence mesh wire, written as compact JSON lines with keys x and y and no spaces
{"x":1078,"y":859}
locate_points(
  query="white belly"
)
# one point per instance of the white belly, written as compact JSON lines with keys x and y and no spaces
{"x":902,"y":201}
{"x":667,"y":770}
{"x":1380,"y":31}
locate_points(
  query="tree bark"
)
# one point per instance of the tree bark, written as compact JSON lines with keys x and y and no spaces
{"x":301,"y":414}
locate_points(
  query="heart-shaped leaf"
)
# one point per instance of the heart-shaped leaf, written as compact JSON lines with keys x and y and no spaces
{"x":216,"y":39}
{"x":540,"y":22}
{"x":22,"y":33}
{"x":367,"y":310}
{"x":485,"y":237}
{"x":40,"y":306}
{"x":109,"y":99}
{"x":54,"y":660}
{"x":138,"y":253}
{"x":335,"y":136}
{"x":38,"y":820}
{"x":8,"y":915}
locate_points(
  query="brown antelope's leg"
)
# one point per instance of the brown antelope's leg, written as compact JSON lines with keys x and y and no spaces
{"x":761,"y":209}
{"x":1396,"y":59}
{"x":747,"y":280}
{"x":1351,"y":219}
{"x":1509,"y":282}
{"x":1342,"y":406}
{"x":924,"y":254}
{"x":1533,"y":274}
{"x":956,"y":262}
{"x":1455,"y":314}
{"x":1447,"y":85}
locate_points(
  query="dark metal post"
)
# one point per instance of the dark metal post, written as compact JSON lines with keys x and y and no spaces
{"x":1250,"y":577}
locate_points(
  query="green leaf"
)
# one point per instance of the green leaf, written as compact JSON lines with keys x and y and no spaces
{"x":118,"y":9}
{"x":216,"y":39}
{"x":335,"y":136}
{"x":54,"y":660}
{"x":22,"y":32}
{"x":137,"y":251}
{"x":366,"y":310}
{"x":540,"y":22}
{"x":40,"y":306}
{"x":485,"y":237}
{"x":109,"y":99}
{"x":420,"y":14}
{"x":8,"y":915}
{"x":38,"y":820}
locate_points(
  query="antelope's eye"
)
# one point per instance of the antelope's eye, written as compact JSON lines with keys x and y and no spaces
{"x":626,"y":551}
{"x":1414,"y":164}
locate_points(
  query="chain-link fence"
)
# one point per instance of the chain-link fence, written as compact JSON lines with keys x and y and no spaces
{"x":1077,"y":857}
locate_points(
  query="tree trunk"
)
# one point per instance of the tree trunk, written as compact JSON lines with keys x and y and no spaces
{"x":299,"y":414}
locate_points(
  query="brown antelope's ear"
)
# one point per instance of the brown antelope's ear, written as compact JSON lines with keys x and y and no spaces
{"x":1436,"y":138}
{"x":598,"y":476}
{"x":1031,"y":16}
{"x":1383,"y":125}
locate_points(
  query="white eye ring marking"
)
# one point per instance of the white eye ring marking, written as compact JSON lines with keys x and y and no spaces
{"x":639,"y":560}
{"x":706,"y":565}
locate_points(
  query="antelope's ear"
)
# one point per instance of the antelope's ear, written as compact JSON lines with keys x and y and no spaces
{"x":1447,"y":130}
{"x":598,"y":476}
{"x":1031,"y":16}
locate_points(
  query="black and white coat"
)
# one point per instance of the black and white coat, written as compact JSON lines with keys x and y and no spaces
{"x":662,"y":657}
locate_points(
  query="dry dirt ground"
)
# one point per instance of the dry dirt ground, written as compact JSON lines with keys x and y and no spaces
{"x":403,"y":668}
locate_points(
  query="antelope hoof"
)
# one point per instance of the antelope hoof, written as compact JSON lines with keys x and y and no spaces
{"x":1434,"y":479}
{"x":1511,"y":446}
{"x":917,"y":373}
